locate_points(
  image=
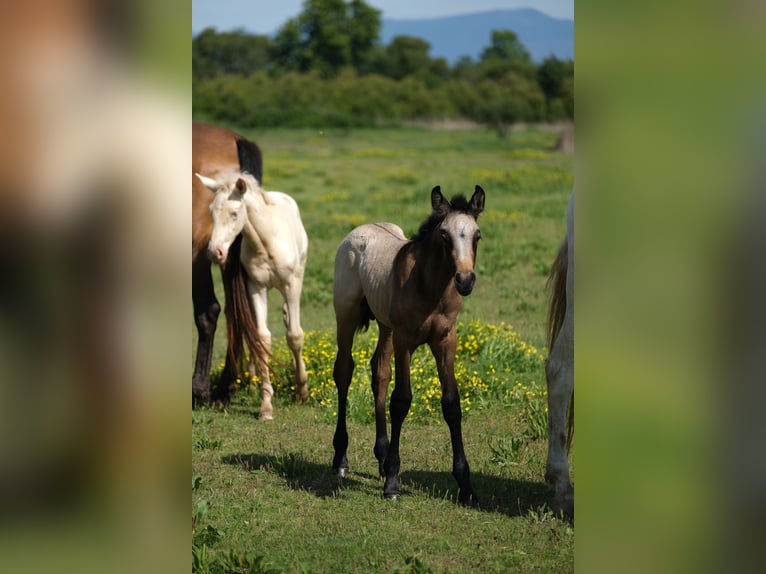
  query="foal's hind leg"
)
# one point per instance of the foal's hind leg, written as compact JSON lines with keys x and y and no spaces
{"x":292,"y":318}
{"x":342,"y":373}
{"x":380,"y":366}
{"x":258,"y":296}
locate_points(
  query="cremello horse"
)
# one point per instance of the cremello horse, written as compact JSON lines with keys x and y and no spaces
{"x":559,"y":370}
{"x":414,"y":289}
{"x":274,"y":250}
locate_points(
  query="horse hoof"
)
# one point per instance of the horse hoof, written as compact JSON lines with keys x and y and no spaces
{"x":394,"y":496}
{"x":342,"y":472}
{"x":266,"y":417}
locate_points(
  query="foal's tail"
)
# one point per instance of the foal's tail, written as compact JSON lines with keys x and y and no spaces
{"x":557,"y":287}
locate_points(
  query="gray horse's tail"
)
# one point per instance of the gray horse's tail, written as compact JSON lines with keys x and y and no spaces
{"x":557,"y":287}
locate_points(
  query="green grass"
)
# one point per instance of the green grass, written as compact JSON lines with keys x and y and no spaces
{"x":269,"y":501}
{"x":270,"y":491}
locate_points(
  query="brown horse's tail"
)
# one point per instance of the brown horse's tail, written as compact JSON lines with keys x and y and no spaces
{"x":240,"y":326}
{"x":557,"y":288}
{"x":250,"y":159}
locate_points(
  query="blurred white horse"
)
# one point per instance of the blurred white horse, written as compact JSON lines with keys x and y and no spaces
{"x":559,"y":369}
{"x":274,"y":250}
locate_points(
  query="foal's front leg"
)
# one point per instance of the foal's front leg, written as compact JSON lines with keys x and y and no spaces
{"x":444,"y":353}
{"x":401,"y":399}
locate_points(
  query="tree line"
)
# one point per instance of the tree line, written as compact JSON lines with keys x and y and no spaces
{"x":327,"y":68}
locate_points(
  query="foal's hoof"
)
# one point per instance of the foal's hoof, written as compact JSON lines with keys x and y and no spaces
{"x":393,"y":496}
{"x":342,"y":472}
{"x":266,"y":416}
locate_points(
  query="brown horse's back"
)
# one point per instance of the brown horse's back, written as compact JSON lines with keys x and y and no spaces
{"x":214,"y":149}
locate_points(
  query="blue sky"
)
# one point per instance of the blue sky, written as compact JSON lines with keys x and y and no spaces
{"x":264,"y":17}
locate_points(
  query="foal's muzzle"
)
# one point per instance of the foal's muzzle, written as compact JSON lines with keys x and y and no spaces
{"x":465,"y":282}
{"x":217,"y":254}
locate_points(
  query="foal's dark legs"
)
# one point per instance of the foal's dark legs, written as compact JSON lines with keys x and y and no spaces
{"x":401,"y":399}
{"x":444,"y":353}
{"x":206,"y":311}
{"x":380,"y":366}
{"x":342,"y":372}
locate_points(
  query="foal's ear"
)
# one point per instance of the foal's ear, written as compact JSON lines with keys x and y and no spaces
{"x":241,"y":186}
{"x":438,"y":202}
{"x":476,"y":204}
{"x":209,"y":183}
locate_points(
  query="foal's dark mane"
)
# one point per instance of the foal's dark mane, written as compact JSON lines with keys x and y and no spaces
{"x":457,"y":203}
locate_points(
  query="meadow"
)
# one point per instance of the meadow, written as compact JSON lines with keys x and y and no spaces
{"x":264,"y":498}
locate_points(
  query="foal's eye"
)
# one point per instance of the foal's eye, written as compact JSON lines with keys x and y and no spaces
{"x":445,"y":237}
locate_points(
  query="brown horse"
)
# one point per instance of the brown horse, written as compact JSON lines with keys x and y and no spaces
{"x":215,"y":150}
{"x":414,"y":290}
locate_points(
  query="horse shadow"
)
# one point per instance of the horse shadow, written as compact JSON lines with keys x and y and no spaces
{"x":509,"y":496}
{"x":298,"y":472}
{"x":497,"y":494}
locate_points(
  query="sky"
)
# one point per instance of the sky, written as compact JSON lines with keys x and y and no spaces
{"x":266,"y":16}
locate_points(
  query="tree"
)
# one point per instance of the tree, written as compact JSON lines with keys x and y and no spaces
{"x":406,"y":55}
{"x":506,"y":46}
{"x":327,"y":36}
{"x":215,"y":53}
{"x":500,"y":104}
{"x":556,"y":79}
{"x":506,"y":54}
{"x":364,"y":31}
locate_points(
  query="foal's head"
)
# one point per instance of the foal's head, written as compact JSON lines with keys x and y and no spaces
{"x":455,"y":223}
{"x":228,"y":211}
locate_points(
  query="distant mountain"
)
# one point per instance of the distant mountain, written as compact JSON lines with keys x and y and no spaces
{"x":467,"y":35}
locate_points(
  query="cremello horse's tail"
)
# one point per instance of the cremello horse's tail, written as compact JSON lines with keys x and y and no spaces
{"x":557,"y":287}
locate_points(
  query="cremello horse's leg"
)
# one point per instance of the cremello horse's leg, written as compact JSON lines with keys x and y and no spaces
{"x":291,"y":314}
{"x":259,"y":298}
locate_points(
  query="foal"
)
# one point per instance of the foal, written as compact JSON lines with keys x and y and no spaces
{"x":274,"y":251}
{"x":414,"y":290}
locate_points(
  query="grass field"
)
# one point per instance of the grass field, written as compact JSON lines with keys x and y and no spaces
{"x":264,"y":496}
